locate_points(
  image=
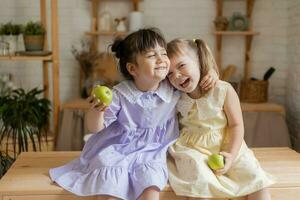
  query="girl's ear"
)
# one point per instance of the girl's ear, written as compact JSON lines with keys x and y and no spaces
{"x":131,"y":68}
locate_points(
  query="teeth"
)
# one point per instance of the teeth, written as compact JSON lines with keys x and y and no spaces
{"x":184,"y":83}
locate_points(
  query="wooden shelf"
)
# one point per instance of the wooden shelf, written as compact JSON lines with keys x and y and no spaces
{"x":262,"y":107}
{"x":26,"y":58}
{"x":82,"y":104}
{"x":54,"y":58}
{"x":248,"y":37}
{"x":107,"y":33}
{"x":236,"y":33}
{"x":134,"y":2}
{"x":95,"y":31}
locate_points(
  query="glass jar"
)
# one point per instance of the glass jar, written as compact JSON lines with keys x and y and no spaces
{"x":4,"y":48}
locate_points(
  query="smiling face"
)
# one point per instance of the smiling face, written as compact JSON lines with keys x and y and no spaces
{"x":184,"y":73}
{"x":151,"y":67}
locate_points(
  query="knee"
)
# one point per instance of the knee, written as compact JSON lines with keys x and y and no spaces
{"x":263,"y":191}
{"x":150,"y":193}
{"x":153,"y":189}
{"x":106,"y":197}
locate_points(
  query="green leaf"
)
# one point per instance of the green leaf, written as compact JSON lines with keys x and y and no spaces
{"x":33,"y":28}
{"x":24,"y":116}
{"x":5,"y":163}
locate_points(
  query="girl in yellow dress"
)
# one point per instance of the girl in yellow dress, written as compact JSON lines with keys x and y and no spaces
{"x":211,"y":122}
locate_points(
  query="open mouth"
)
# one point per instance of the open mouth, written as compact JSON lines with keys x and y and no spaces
{"x":185,"y":83}
{"x":160,"y":68}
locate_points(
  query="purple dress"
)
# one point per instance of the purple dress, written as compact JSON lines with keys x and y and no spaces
{"x":129,"y":154}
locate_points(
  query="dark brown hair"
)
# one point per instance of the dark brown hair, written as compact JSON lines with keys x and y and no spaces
{"x":137,"y":42}
{"x":199,"y":49}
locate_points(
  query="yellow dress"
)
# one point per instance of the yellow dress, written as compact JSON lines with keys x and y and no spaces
{"x":203,"y":129}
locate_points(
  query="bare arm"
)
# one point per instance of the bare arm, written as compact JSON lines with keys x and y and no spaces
{"x":235,"y":129}
{"x":95,"y":115}
{"x":232,"y":108}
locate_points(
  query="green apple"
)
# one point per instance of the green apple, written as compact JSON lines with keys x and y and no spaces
{"x":103,"y":93}
{"x":215,"y":161}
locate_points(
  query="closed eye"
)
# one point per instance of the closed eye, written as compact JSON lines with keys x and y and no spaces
{"x":170,"y":73}
{"x":181,"y":65}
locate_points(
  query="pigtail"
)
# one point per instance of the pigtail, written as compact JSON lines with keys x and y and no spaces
{"x":206,"y":58}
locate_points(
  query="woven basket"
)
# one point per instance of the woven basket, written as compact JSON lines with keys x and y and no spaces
{"x":254,"y":91}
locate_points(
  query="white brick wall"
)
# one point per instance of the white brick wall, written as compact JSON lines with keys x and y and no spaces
{"x":293,"y":86}
{"x":176,"y":18}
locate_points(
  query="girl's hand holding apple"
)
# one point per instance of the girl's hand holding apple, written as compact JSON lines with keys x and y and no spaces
{"x":215,"y":161}
{"x":103,"y":93}
{"x":95,"y":103}
{"x":228,"y":163}
{"x":100,"y":98}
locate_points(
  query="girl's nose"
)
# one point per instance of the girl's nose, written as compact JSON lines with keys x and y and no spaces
{"x":176,"y":75}
{"x":158,"y":58}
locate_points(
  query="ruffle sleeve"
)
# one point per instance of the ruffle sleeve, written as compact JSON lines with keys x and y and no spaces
{"x":111,"y":113}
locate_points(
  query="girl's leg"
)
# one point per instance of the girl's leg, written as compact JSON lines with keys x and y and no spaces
{"x":112,"y":198}
{"x":191,"y":198}
{"x":262,"y":194}
{"x":106,"y":197}
{"x":150,"y":193}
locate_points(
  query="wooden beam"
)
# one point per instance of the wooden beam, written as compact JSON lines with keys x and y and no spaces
{"x":250,"y":5}
{"x":43,"y":16}
{"x":55,"y":66}
{"x":107,"y":33}
{"x":219,"y":52}
{"x":27,"y":58}
{"x":135,"y":5}
{"x":247,"y":68}
{"x":237,"y":33}
{"x":95,"y":28}
{"x":219,"y":8}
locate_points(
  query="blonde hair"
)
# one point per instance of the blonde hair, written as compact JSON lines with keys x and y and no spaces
{"x":200,"y":50}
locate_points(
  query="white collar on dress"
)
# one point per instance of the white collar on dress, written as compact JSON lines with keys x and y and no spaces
{"x":128,"y":89}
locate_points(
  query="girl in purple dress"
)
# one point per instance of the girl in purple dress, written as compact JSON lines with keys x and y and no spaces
{"x":126,"y":159}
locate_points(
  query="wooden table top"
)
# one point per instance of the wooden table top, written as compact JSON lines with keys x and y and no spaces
{"x":29,"y":174}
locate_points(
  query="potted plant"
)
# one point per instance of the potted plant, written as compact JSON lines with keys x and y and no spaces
{"x":10,"y":33}
{"x":34,"y":36}
{"x":24,"y":118}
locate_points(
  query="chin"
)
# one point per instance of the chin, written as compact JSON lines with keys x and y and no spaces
{"x":160,"y":78}
{"x":181,"y":89}
{"x":187,"y":89}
